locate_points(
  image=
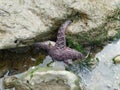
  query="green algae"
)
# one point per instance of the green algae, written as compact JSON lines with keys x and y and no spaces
{"x":74,"y":45}
{"x":39,"y":60}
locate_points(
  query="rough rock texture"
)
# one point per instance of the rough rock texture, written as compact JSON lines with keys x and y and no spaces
{"x":44,"y":79}
{"x":99,"y":21}
{"x":39,"y":20}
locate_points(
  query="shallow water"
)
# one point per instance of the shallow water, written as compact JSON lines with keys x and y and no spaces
{"x":47,"y":62}
{"x":106,"y":75}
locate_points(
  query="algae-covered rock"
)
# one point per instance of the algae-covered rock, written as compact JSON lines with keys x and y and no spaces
{"x":44,"y":79}
{"x":32,"y":20}
{"x":116,"y":59}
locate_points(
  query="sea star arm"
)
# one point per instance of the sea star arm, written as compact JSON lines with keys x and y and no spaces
{"x":61,"y":40}
{"x":72,"y":54}
{"x":43,"y":45}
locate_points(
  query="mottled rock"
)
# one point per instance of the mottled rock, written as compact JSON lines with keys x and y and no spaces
{"x":8,"y":82}
{"x":13,"y":82}
{"x":24,"y":21}
{"x":116,"y":59}
{"x":98,"y":18}
{"x":44,"y":79}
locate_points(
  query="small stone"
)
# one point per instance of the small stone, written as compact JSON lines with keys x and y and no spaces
{"x":33,"y":59}
{"x":112,"y":33}
{"x":116,"y":59}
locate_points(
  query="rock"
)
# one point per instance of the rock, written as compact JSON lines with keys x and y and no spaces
{"x":44,"y":79}
{"x":9,"y":82}
{"x":116,"y":59}
{"x":12,"y":81}
{"x":24,"y":21}
{"x":97,"y":20}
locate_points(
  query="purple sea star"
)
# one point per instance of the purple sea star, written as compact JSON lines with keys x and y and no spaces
{"x":60,"y":51}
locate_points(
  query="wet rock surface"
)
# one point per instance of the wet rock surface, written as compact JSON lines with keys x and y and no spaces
{"x":24,"y":21}
{"x":43,"y":79}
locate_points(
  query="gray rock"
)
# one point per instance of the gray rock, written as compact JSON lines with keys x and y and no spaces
{"x":13,"y":82}
{"x":44,"y":79}
{"x":24,"y":21}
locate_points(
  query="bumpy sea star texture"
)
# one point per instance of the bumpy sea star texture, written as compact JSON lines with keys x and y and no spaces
{"x":60,"y":51}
